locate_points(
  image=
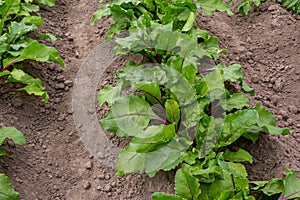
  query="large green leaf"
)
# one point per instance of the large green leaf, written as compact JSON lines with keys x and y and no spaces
{"x":235,"y":73}
{"x":153,"y":138}
{"x":130,"y":161}
{"x":109,"y":94}
{"x":167,"y":157}
{"x":267,"y":122}
{"x":274,"y":186}
{"x":186,"y":185}
{"x":236,"y":124}
{"x":240,"y":156}
{"x":37,"y":52}
{"x":18,"y":29}
{"x":129,"y":116}
{"x":236,"y":101}
{"x":33,"y":85}
{"x":11,"y":133}
{"x":291,"y":186}
{"x":38,"y":21}
{"x":189,"y":23}
{"x":30,"y":7}
{"x":6,"y":190}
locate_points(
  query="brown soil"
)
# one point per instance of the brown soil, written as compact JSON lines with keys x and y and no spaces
{"x":54,"y":164}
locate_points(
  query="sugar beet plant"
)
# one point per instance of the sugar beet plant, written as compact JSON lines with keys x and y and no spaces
{"x":16,"y":20}
{"x":178,"y":111}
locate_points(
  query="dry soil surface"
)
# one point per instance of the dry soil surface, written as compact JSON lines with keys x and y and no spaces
{"x":54,"y":164}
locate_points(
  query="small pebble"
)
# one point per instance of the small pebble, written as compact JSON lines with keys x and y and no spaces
{"x":101,"y":176}
{"x":255,"y":78}
{"x":107,"y":188}
{"x":99,"y":188}
{"x":87,"y":185}
{"x":107,"y":177}
{"x":89,"y":165}
{"x":290,"y":121}
{"x":60,"y":86}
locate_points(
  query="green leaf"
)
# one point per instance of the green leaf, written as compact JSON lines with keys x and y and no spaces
{"x":152,"y":90}
{"x":172,"y":111}
{"x":109,"y":94}
{"x":244,"y":7}
{"x":130,"y":161}
{"x":3,"y":153}
{"x":267,"y":122}
{"x":236,"y":169}
{"x":164,"y":196}
{"x":37,"y":52}
{"x":240,"y":156}
{"x":153,"y":138}
{"x":190,"y":156}
{"x":235,"y":73}
{"x":186,"y":185}
{"x":256,"y":2}
{"x":208,"y":175}
{"x":129,"y":116}
{"x":189,"y":73}
{"x":33,"y":85}
{"x":48,"y":35}
{"x":16,"y":30}
{"x":167,"y":157}
{"x":209,"y":7}
{"x":99,"y":14}
{"x":215,"y":189}
{"x":215,"y":85}
{"x":11,"y":133}
{"x":9,"y":7}
{"x":4,"y":73}
{"x":274,"y":186}
{"x":236,"y":124}
{"x":291,"y":186}
{"x":36,"y":20}
{"x":189,"y":23}
{"x":30,"y":7}
{"x":236,"y":101}
{"x":258,"y":184}
{"x":3,"y":43}
{"x":47,"y":2}
{"x":6,"y":190}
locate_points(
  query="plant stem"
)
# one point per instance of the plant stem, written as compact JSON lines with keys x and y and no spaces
{"x":287,"y":197}
{"x":233,"y":184}
{"x":8,"y":66}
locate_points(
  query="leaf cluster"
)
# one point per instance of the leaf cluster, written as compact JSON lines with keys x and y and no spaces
{"x":291,"y":5}
{"x":177,"y":110}
{"x":16,"y":21}
{"x":246,"y":6}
